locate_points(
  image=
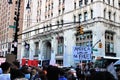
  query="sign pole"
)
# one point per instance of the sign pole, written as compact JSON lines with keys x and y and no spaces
{"x":81,"y":65}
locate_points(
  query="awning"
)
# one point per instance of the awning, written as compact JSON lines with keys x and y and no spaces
{"x":109,"y":57}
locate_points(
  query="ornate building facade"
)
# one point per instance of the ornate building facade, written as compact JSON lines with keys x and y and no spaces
{"x":50,"y":29}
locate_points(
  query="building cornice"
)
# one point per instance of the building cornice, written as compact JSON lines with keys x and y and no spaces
{"x":85,"y":24}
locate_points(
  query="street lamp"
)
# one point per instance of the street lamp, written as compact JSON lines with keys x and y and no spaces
{"x":28,"y":5}
{"x":96,"y":43}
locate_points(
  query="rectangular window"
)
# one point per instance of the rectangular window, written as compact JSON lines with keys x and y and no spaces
{"x":52,"y":14}
{"x":49,"y":7}
{"x":80,"y":18}
{"x":62,"y":22}
{"x":108,"y":1}
{"x":91,"y":14}
{"x":80,"y":3}
{"x":111,"y":47}
{"x":109,"y":42}
{"x":46,"y":8}
{"x":60,"y":45}
{"x":59,"y":11}
{"x":63,"y":9}
{"x":59,"y":2}
{"x":86,"y":2}
{"x":114,"y":15}
{"x":119,"y":5}
{"x":109,"y":15}
{"x":74,"y":18}
{"x":74,"y":5}
{"x":113,"y":3}
{"x":84,"y":40}
{"x":52,"y":5}
{"x":104,"y":13}
{"x":85,"y":16}
{"x":63,"y":1}
{"x":107,"y":47}
{"x":60,"y":49}
{"x":58,"y":23}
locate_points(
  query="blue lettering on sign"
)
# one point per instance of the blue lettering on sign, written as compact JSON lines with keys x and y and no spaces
{"x":82,"y":53}
{"x":84,"y":56}
{"x":75,"y":56}
{"x":82,"y":48}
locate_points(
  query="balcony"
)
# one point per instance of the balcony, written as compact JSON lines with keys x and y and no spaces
{"x":111,"y":54}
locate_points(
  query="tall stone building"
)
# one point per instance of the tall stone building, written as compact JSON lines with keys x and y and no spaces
{"x":7,"y":22}
{"x":50,"y":29}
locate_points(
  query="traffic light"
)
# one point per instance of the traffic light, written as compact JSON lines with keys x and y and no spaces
{"x":78,"y":30}
{"x":81,"y":30}
{"x":100,"y":45}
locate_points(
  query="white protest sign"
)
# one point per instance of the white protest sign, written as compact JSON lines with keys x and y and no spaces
{"x":2,"y":60}
{"x":82,"y":53}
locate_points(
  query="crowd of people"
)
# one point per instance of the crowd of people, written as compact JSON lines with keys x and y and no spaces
{"x":16,"y":72}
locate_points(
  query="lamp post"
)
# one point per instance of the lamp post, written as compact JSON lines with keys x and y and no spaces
{"x":16,"y":18}
{"x":96,"y":43}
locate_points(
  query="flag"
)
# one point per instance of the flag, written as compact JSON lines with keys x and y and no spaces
{"x":111,"y":69}
{"x":52,"y":60}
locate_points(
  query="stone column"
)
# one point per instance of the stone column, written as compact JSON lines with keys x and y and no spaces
{"x":69,"y":42}
{"x":22,"y":51}
{"x":98,"y":34}
{"x":53,"y":60}
{"x":32,"y":50}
